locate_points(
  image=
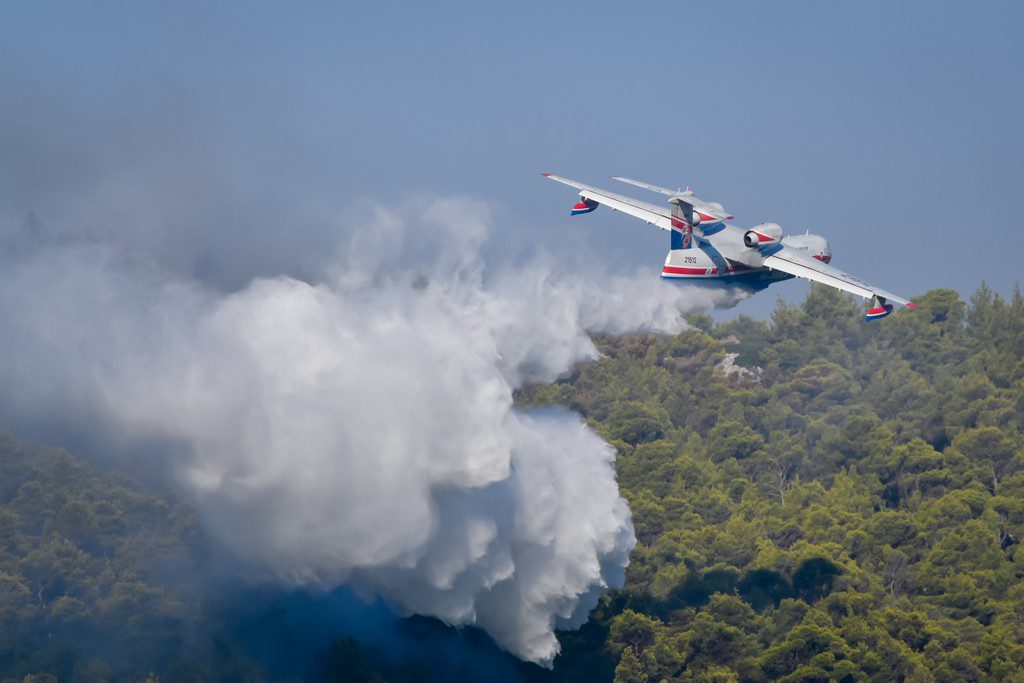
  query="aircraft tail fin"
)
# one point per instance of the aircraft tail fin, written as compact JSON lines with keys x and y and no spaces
{"x":682,"y":223}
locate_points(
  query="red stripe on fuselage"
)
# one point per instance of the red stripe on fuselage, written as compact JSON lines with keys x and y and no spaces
{"x":681,"y":270}
{"x":677,"y":270}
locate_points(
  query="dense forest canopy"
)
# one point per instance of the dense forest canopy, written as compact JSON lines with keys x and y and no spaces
{"x":814,"y":498}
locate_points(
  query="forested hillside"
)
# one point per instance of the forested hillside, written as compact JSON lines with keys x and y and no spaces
{"x":100,"y":579}
{"x":839,"y":500}
{"x":814,"y":497}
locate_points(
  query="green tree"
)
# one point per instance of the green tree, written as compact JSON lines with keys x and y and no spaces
{"x":629,"y":668}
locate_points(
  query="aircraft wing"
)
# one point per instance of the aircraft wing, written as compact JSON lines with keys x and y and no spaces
{"x":803,"y":265}
{"x":650,"y":213}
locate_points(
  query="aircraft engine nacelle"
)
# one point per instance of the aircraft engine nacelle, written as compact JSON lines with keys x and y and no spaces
{"x":815,"y":245}
{"x":763,"y":235}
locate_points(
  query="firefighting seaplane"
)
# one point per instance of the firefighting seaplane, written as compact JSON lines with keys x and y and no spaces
{"x":704,"y":247}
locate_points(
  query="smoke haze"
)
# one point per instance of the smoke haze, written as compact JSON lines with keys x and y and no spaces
{"x":356,"y":426}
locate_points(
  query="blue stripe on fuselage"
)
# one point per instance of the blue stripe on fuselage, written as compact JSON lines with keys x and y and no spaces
{"x":754,"y":280}
{"x":716,"y":256}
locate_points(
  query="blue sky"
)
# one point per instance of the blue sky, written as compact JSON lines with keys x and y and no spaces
{"x":891,"y":128}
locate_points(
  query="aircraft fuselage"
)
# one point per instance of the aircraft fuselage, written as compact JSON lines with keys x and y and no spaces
{"x":719,"y":255}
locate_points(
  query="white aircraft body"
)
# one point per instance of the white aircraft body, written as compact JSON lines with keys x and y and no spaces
{"x":703,"y":247}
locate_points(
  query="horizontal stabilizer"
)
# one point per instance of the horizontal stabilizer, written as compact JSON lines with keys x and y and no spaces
{"x":653,"y":188}
{"x":710,"y":212}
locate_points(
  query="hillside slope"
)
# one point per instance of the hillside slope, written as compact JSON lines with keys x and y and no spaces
{"x":815,"y":497}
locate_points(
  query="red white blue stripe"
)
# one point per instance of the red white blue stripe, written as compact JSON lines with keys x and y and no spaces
{"x":876,"y":312}
{"x":583,"y":206}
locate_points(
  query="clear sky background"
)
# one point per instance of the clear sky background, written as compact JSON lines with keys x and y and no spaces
{"x":894,"y":129}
